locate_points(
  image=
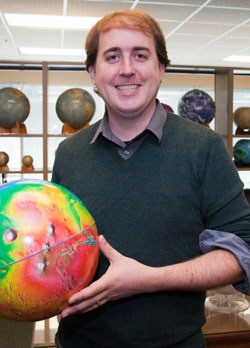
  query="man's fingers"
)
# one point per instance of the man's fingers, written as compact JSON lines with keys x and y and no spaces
{"x":108,"y":251}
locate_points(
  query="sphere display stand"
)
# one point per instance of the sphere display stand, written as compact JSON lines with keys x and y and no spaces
{"x":240,"y":131}
{"x":16,"y":129}
{"x":4,"y":169}
{"x":226,"y":300}
{"x":27,"y":168}
{"x":67,"y":129}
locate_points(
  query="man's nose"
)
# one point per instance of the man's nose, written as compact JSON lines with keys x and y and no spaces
{"x":127,"y":67}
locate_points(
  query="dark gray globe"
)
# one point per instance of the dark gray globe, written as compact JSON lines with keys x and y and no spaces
{"x":14,"y":106}
{"x":76,"y":107}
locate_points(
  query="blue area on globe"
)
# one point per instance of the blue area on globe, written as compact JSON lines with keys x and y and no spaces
{"x":241,"y":152}
{"x":196,"y":105}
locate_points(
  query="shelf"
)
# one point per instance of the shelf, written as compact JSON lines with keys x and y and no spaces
{"x":241,"y":136}
{"x":24,"y":172}
{"x":59,"y":135}
{"x":243,"y":168}
{"x":12,"y":135}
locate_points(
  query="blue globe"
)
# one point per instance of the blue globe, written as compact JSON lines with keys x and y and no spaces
{"x":196,"y":105}
{"x":241,"y":152}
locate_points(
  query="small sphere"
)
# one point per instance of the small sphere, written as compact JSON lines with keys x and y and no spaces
{"x":27,"y":160}
{"x":4,"y":159}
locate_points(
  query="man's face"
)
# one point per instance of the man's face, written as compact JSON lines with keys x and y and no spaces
{"x":127,"y":73}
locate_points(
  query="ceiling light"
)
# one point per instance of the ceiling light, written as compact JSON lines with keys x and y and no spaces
{"x":52,"y":51}
{"x":235,"y":58}
{"x":50,"y":22}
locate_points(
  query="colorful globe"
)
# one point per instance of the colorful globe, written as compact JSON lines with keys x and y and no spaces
{"x":196,"y":105}
{"x":14,"y":107}
{"x":167,"y":107}
{"x":76,"y":107}
{"x":241,"y":152}
{"x":48,"y":249}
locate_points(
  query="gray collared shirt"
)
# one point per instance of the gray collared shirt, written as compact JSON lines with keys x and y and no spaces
{"x":127,"y":149}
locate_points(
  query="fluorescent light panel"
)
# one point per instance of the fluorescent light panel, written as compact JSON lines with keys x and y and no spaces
{"x":52,"y":51}
{"x":238,"y":58}
{"x":50,"y":22}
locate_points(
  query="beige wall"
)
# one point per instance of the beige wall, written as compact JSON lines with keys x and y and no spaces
{"x":82,"y":77}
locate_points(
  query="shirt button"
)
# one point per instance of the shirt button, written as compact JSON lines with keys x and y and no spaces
{"x":126,"y":152}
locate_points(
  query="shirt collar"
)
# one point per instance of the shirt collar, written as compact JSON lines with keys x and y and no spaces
{"x":155,"y":125}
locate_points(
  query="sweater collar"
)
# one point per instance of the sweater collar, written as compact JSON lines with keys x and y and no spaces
{"x":155,"y":126}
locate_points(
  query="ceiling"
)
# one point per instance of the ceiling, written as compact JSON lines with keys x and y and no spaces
{"x":198,"y":32}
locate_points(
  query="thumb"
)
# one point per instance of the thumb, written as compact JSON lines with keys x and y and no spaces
{"x":110,"y":253}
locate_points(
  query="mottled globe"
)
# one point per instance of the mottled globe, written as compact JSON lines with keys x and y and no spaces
{"x":242,"y":117}
{"x":27,"y":160}
{"x":14,"y":106}
{"x":76,"y":107}
{"x":196,"y":105}
{"x":241,"y":152}
{"x":4,"y":158}
{"x":48,"y":249}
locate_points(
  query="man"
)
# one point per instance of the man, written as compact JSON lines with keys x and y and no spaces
{"x":149,"y":179}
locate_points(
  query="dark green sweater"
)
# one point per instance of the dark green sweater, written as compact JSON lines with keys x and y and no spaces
{"x":152,"y":208}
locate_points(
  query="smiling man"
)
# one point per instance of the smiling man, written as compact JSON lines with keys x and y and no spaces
{"x":128,"y":75}
{"x":176,"y":224}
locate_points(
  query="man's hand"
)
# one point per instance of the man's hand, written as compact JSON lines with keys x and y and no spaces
{"x":124,"y":277}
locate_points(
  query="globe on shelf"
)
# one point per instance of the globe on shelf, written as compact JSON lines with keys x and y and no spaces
{"x":48,"y":249}
{"x":14,"y":108}
{"x":75,"y":108}
{"x":4,"y":159}
{"x":196,"y":105}
{"x":167,"y":107}
{"x":27,"y":163}
{"x":242,"y":120}
{"x":241,"y":152}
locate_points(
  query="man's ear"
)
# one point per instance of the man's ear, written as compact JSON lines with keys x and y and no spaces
{"x":91,"y":71}
{"x":162,"y":71}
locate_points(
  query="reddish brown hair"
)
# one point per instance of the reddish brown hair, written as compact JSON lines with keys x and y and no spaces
{"x":128,"y":19}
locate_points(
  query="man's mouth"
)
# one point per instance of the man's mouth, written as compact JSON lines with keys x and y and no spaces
{"x":127,"y":88}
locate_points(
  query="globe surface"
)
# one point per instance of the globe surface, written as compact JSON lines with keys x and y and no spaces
{"x":241,"y":152}
{"x":4,"y":158}
{"x":196,"y":105}
{"x":14,"y":106}
{"x":48,"y":249}
{"x":242,"y":117}
{"x":76,"y":107}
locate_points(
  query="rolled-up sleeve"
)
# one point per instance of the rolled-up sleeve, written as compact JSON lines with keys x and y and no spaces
{"x":211,"y":239}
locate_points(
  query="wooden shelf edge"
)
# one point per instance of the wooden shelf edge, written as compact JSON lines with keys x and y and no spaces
{"x":24,"y":172}
{"x":234,"y":337}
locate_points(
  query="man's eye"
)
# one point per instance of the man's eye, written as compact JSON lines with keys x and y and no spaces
{"x":141,"y":56}
{"x":112,"y":58}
